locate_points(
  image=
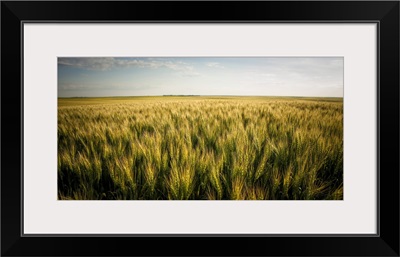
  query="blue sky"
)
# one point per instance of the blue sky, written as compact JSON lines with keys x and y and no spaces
{"x":259,"y":76}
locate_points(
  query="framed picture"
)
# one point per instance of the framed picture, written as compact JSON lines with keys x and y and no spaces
{"x":228,"y":128}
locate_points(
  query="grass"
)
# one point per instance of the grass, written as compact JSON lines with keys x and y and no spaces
{"x":200,"y":148}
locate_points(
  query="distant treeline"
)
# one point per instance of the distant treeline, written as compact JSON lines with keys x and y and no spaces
{"x":181,"y":95}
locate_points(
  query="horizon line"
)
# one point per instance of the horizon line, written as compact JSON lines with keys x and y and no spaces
{"x":167,"y":95}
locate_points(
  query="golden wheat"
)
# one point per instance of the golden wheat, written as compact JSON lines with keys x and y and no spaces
{"x":198,"y":148}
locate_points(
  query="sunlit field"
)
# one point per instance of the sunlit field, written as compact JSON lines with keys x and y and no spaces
{"x":200,"y":148}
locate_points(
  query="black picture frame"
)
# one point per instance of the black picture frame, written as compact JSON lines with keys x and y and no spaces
{"x":384,"y":13}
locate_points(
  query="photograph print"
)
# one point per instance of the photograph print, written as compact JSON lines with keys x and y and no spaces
{"x":200,"y":128}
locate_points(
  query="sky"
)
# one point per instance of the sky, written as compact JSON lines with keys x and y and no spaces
{"x":246,"y":76}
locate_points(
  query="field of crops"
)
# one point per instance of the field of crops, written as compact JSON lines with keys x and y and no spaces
{"x":200,"y":148}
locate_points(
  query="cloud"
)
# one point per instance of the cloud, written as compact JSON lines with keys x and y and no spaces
{"x":69,"y":86}
{"x":214,"y":65}
{"x":65,"y":86}
{"x":179,"y":66}
{"x":109,"y":63}
{"x":88,"y":63}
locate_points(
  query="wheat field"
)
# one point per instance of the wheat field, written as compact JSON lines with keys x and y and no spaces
{"x":200,"y":148}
